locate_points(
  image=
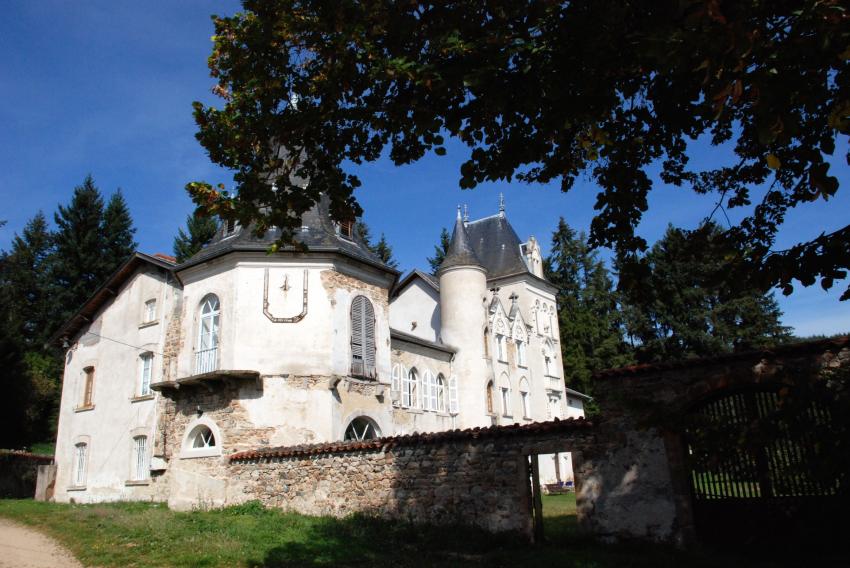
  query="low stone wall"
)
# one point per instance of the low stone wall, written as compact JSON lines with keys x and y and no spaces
{"x":18,"y":473}
{"x":474,"y":477}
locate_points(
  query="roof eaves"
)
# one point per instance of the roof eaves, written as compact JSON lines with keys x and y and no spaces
{"x":402,"y":336}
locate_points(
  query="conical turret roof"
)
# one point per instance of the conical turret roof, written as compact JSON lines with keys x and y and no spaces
{"x":460,"y":251}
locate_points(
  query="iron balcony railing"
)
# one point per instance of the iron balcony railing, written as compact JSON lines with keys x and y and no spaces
{"x":206,"y":360}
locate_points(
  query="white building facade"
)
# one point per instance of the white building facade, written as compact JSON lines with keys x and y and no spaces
{"x":170,"y":368}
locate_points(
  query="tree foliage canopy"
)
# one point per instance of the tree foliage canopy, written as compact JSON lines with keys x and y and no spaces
{"x":199,"y":231}
{"x":685,"y":302}
{"x":540,"y":91}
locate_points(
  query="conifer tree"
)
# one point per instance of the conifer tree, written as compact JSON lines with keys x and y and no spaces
{"x":26,"y":277}
{"x":382,"y":249}
{"x":385,"y":252}
{"x":591,"y":331}
{"x":78,"y":264}
{"x":118,"y":231}
{"x":684,"y":299}
{"x":199,"y":231}
{"x":440,"y":251}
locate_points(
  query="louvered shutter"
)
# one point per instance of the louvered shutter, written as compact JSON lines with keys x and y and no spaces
{"x":357,"y":309}
{"x":453,"y":400}
{"x":369,"y":339}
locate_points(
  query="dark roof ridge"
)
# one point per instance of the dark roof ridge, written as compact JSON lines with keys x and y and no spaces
{"x":800,"y":347}
{"x":415,"y":439}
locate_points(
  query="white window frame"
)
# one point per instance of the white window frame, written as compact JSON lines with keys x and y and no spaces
{"x":429,"y":390}
{"x":454,"y":406}
{"x":525,"y":397}
{"x":140,"y":464}
{"x":145,"y":374}
{"x":501,"y":348}
{"x":150,"y":311}
{"x":506,"y":401}
{"x":81,"y":462}
{"x":188,"y":447}
{"x":209,"y":331}
{"x":441,"y":393}
{"x":410,"y":391}
{"x":398,"y":373}
{"x":520,"y":354}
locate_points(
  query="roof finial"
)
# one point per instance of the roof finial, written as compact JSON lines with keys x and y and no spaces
{"x":466,"y":213}
{"x":502,"y":204}
{"x":458,"y":213}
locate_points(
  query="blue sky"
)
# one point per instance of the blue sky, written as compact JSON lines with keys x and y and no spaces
{"x":106,"y":88}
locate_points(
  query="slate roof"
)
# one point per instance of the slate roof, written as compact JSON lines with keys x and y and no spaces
{"x":460,"y":252}
{"x":402,"y":336}
{"x":497,"y":245}
{"x":382,"y":444}
{"x":318,"y":234}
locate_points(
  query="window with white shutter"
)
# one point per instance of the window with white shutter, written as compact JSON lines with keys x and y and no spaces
{"x":397,"y":374}
{"x":453,"y":398}
{"x":429,"y":391}
{"x":410,"y":389}
{"x":362,"y":338}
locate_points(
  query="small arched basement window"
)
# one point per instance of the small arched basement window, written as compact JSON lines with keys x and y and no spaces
{"x":362,"y":338}
{"x":362,"y":428}
{"x":202,"y":437}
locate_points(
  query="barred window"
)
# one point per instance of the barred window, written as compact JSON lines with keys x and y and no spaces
{"x":80,"y":464}
{"x":140,"y":458}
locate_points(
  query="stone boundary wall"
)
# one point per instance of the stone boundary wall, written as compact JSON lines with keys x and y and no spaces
{"x":474,"y":477}
{"x":18,"y":473}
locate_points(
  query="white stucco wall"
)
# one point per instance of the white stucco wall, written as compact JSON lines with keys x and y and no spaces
{"x":117,"y":413}
{"x":416,"y":310}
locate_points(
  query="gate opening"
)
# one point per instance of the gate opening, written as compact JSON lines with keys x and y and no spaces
{"x":553,"y":493}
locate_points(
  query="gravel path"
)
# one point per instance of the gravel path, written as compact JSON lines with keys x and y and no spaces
{"x":23,"y":547}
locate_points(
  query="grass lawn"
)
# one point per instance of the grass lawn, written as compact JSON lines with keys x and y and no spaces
{"x":143,"y":534}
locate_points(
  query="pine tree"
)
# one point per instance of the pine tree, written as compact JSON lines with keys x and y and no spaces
{"x":440,"y":251}
{"x":382,"y":249}
{"x":26,"y":276}
{"x":385,"y":252}
{"x":78,"y":264}
{"x":118,"y":231}
{"x":199,"y":231}
{"x":591,"y":331}
{"x":686,"y":300}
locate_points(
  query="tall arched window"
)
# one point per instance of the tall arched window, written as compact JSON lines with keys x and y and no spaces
{"x":441,"y":393}
{"x":206,"y":357}
{"x":520,"y":353}
{"x":548,"y":359}
{"x":398,"y":372}
{"x":501,"y":347}
{"x":489,"y":396}
{"x":525,"y":397}
{"x":486,"y":342}
{"x":505,"y":392}
{"x":410,"y":389}
{"x":362,"y":338}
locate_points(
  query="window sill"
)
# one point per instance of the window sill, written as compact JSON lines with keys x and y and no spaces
{"x":413,"y":410}
{"x":508,"y":416}
{"x":202,"y":453}
{"x":137,"y":482}
{"x":148,"y":324}
{"x":84,"y":408}
{"x":502,"y":361}
{"x":142,"y":398}
{"x":76,"y":488}
{"x":522,"y":366}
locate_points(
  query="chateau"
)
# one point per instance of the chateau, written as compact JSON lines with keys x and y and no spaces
{"x":170,"y":368}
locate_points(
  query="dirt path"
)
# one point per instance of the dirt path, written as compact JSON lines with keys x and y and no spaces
{"x":22,"y":547}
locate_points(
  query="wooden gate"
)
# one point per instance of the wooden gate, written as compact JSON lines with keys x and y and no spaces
{"x":754,"y":464}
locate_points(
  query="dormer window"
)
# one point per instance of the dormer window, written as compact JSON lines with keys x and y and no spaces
{"x":229,"y":227}
{"x":346,"y":229}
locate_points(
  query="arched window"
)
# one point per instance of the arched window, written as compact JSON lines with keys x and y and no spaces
{"x":486,"y":342}
{"x":429,"y":391}
{"x":520,"y":354}
{"x":548,"y":359}
{"x":80,"y":464}
{"x":505,"y":391}
{"x":441,"y":393}
{"x":489,"y":395}
{"x":410,"y":389}
{"x":362,"y":338}
{"x":362,"y":428}
{"x":206,"y":357}
{"x":525,"y":397}
{"x":203,"y":439}
{"x":501,"y":347}
{"x":140,"y":467}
